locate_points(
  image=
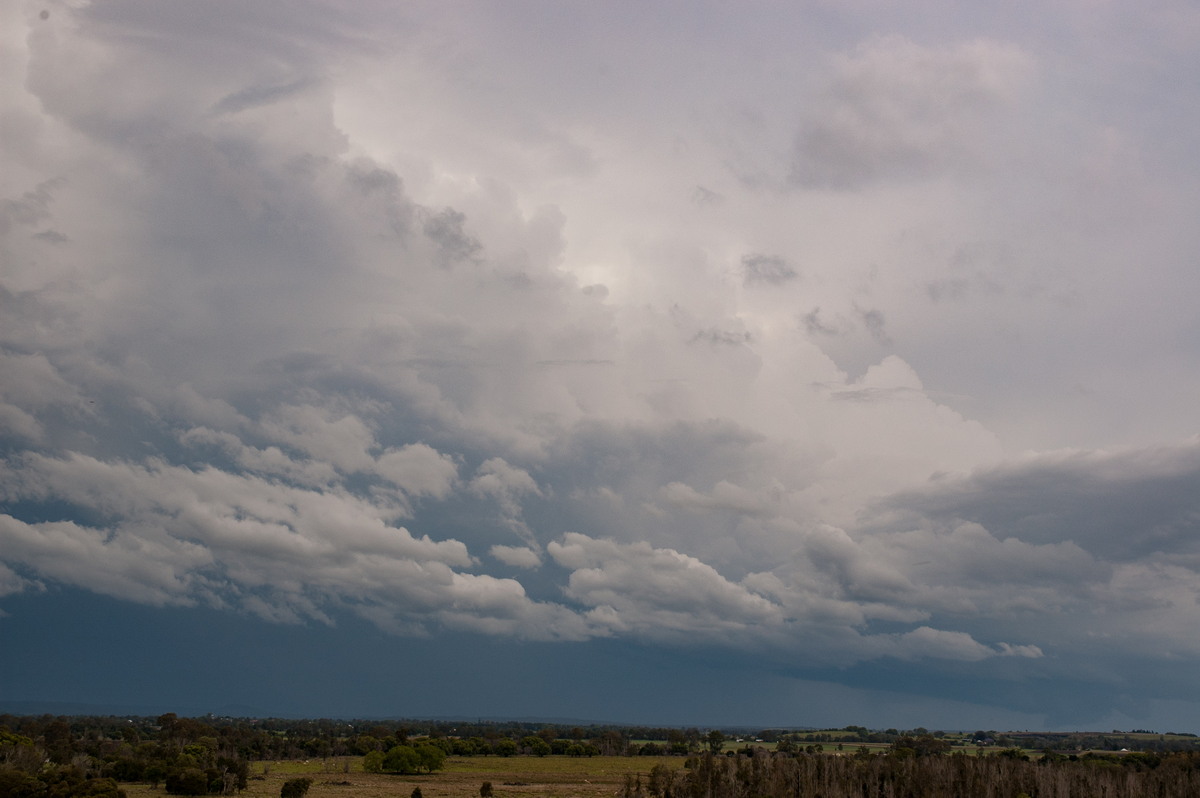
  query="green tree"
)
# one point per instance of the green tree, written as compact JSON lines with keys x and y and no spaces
{"x":716,"y":741}
{"x":431,"y":757}
{"x":373,"y":762}
{"x":401,"y":759}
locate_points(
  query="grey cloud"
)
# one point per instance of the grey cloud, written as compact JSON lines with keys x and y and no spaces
{"x":1122,"y":504}
{"x":897,"y":111}
{"x":34,"y":393}
{"x":1073,"y":548}
{"x":724,"y":495}
{"x":703,"y":197}
{"x":32,"y":208}
{"x":446,"y":230}
{"x":876,"y":324}
{"x":974,"y":269}
{"x":581,"y":362}
{"x":722,"y":337}
{"x":813,"y":323}
{"x":271,"y":460}
{"x":255,"y":96}
{"x":337,"y":345}
{"x":51,"y":237}
{"x":769,"y":269}
{"x":661,"y":594}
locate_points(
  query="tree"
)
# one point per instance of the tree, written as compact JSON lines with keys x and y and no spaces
{"x":295,"y":788}
{"x":402,"y":759}
{"x":58,"y":742}
{"x":716,"y":741}
{"x":191,"y":781}
{"x":96,"y":788}
{"x":925,"y":745}
{"x":431,"y":757}
{"x":17,"y":784}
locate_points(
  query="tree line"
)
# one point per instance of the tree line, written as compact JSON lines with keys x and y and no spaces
{"x":61,"y":757}
{"x":903,"y":772}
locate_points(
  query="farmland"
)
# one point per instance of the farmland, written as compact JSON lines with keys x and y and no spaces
{"x":511,"y":777}
{"x":128,"y":757}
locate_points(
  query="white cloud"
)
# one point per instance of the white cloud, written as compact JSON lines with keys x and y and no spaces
{"x":516,"y":556}
{"x":344,"y":441}
{"x":507,"y":484}
{"x":925,"y":642}
{"x":418,"y":470}
{"x":11,"y":582}
{"x":212,"y":536}
{"x":125,"y":564}
{"x":504,"y":482}
{"x":656,"y":593}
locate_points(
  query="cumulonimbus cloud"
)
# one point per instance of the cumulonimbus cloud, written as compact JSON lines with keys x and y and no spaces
{"x":302,"y":340}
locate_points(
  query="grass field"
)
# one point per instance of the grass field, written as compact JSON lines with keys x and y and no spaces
{"x":511,"y":777}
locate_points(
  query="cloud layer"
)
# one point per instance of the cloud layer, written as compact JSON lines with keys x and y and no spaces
{"x":871,"y":345}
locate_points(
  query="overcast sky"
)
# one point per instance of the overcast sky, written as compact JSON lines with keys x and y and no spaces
{"x":781,"y":363}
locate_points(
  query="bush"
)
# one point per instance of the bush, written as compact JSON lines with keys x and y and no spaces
{"x":98,"y":788}
{"x":295,"y":788}
{"x":191,"y":781}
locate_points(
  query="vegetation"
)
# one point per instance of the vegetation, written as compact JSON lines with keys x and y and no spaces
{"x":134,"y":757}
{"x":295,"y":788}
{"x":903,"y":774}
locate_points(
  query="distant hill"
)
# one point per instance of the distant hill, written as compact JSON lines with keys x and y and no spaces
{"x":121,"y":710}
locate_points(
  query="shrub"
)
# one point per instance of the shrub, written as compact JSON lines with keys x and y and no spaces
{"x":190,"y":781}
{"x":295,"y":788}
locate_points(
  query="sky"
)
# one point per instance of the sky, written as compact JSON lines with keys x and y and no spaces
{"x":770,"y":363}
